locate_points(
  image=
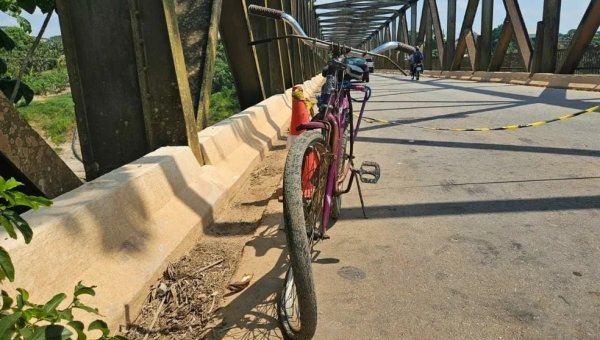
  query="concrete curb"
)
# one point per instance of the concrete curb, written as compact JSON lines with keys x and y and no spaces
{"x":557,"y":81}
{"x":120,"y":231}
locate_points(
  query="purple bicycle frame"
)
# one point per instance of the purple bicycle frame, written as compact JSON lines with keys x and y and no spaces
{"x":333,"y":123}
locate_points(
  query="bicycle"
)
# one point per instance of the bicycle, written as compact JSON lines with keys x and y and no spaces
{"x":316,"y":169}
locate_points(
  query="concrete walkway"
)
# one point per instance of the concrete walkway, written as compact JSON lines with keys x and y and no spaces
{"x":471,"y":235}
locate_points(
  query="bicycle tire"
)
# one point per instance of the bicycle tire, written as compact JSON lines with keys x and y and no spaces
{"x":297,"y":241}
{"x":336,"y":203}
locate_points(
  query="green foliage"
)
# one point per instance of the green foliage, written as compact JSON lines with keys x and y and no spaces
{"x":14,"y":8}
{"x":223,"y":100}
{"x":11,"y":221}
{"x":223,"y":104}
{"x":222,"y":75}
{"x":43,"y":83}
{"x":512,"y":46}
{"x":54,"y":115}
{"x":19,"y":317}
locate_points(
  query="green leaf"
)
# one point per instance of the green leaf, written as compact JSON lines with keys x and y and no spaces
{"x":51,"y":332}
{"x":22,"y":200}
{"x":27,"y":93}
{"x":66,"y":314}
{"x":24,"y":294}
{"x":27,"y":5}
{"x":26,"y":332}
{"x":80,"y":305}
{"x":24,"y":23}
{"x":12,"y":183}
{"x":46,"y":5}
{"x":8,"y":226}
{"x":6,"y":323}
{"x":54,"y":302}
{"x":29,"y":314}
{"x":7,"y":302}
{"x":3,"y":67}
{"x":100,"y":325}
{"x":9,"y":197}
{"x":6,"y":265}
{"x":78,"y":326}
{"x":42,"y":201}
{"x":83,"y":290}
{"x":21,"y":224}
{"x":6,"y":41}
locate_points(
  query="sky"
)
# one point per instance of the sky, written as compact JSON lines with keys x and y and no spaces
{"x":571,"y":13}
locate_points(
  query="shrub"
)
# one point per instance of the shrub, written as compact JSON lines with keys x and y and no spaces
{"x":20,"y":318}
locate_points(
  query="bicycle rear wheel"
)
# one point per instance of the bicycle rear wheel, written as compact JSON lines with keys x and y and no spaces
{"x":336,"y":202}
{"x":304,"y":182}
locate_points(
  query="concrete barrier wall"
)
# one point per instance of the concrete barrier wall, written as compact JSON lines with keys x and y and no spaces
{"x":560,"y":81}
{"x":121,"y":230}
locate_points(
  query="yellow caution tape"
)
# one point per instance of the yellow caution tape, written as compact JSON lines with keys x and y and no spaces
{"x":509,"y":127}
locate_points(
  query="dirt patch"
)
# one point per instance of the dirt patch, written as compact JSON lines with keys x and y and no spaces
{"x":185,"y":299}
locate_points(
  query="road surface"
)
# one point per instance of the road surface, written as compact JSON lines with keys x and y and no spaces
{"x":471,"y":235}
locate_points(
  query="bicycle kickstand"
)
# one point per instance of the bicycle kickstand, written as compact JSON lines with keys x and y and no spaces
{"x":362,"y":203}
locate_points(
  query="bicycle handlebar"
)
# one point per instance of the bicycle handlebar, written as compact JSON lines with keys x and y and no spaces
{"x":324,"y":45}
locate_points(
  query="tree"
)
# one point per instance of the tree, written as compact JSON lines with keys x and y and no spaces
{"x":596,"y":39}
{"x":512,"y":46}
{"x":12,"y":88}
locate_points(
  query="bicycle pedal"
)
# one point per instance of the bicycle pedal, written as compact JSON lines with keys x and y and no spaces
{"x":369,"y":172}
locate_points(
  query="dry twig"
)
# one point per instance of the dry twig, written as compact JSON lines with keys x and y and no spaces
{"x":210,"y":265}
{"x":155,"y":318}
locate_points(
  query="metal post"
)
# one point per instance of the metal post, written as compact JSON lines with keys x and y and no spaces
{"x":451,"y":34}
{"x":243,"y":60}
{"x":551,"y":24}
{"x":134,"y":112}
{"x":428,"y":38}
{"x":538,"y":53}
{"x":487,"y":19}
{"x":284,"y":47}
{"x":413,"y":24}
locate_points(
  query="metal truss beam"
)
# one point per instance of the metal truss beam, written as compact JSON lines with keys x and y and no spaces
{"x":551,"y":20}
{"x":451,"y":34}
{"x":520,"y":31}
{"x":461,"y":45}
{"x":26,"y":156}
{"x":502,"y":46}
{"x":583,"y":36}
{"x":137,"y":113}
{"x":437,"y":26}
{"x":243,"y":60}
{"x":361,"y":3}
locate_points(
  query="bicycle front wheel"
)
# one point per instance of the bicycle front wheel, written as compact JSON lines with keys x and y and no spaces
{"x":304,"y":182}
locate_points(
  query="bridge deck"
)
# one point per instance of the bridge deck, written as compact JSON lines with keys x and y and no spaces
{"x":472,"y":235}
